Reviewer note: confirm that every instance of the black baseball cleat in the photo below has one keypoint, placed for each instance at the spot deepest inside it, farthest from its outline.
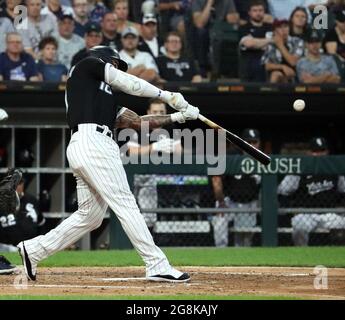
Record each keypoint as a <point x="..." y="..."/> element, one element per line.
<point x="172" y="276"/>
<point x="5" y="266"/>
<point x="29" y="265"/>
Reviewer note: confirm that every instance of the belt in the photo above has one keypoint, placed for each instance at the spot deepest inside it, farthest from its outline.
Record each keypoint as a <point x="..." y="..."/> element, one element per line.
<point x="98" y="129"/>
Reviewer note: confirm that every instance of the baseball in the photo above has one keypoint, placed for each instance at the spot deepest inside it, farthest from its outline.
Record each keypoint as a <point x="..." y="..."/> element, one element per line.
<point x="299" y="105"/>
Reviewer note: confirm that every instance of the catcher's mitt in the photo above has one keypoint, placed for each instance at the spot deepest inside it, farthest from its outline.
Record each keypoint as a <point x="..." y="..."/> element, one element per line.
<point x="9" y="199"/>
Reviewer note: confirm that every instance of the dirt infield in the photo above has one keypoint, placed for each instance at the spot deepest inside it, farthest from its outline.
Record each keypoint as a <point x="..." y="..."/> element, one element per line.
<point x="261" y="281"/>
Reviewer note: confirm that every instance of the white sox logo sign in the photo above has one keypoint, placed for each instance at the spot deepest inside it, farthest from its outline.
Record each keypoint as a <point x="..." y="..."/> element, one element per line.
<point x="278" y="165"/>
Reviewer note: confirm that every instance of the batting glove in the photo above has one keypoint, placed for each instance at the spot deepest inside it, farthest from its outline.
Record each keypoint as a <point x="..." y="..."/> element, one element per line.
<point x="174" y="100"/>
<point x="177" y="117"/>
<point x="191" y="113"/>
<point x="163" y="145"/>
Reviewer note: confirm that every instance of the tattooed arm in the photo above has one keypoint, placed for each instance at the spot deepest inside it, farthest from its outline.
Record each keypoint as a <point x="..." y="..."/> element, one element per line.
<point x="129" y="119"/>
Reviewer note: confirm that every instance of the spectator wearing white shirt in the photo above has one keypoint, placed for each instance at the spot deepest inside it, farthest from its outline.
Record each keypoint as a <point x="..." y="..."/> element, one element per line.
<point x="68" y="42"/>
<point x="38" y="27"/>
<point x="55" y="8"/>
<point x="140" y="64"/>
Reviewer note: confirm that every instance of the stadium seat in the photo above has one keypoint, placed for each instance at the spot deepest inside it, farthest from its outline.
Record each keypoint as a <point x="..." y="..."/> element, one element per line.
<point x="224" y="49"/>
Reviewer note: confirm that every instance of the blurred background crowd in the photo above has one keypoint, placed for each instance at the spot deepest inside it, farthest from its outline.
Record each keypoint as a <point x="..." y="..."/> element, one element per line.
<point x="273" y="41"/>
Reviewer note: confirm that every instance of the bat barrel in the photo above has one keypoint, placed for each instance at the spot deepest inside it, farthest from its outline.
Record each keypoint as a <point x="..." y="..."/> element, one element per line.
<point x="239" y="142"/>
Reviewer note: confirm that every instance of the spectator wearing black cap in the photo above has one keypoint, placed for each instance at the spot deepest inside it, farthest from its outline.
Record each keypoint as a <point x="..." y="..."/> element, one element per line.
<point x="174" y="66"/>
<point x="93" y="37"/>
<point x="316" y="67"/>
<point x="255" y="36"/>
<point x="239" y="191"/>
<point x="111" y="37"/>
<point x="149" y="40"/>
<point x="282" y="55"/>
<point x="55" y="8"/>
<point x="68" y="42"/>
<point x="140" y="64"/>
<point x="335" y="38"/>
<point x="80" y="15"/>
<point x="314" y="191"/>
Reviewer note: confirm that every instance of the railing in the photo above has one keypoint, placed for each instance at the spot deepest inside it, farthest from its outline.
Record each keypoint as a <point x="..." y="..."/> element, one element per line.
<point x="268" y="208"/>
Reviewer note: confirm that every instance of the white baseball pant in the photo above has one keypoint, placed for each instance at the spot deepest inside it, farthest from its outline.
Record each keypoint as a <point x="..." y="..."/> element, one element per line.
<point x="101" y="181"/>
<point x="304" y="223"/>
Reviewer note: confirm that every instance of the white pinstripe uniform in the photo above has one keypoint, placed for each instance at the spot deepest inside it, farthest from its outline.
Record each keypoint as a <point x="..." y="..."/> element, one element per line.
<point x="101" y="182"/>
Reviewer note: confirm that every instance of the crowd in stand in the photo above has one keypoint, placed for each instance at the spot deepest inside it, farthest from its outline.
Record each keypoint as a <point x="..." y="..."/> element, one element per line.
<point x="277" y="40"/>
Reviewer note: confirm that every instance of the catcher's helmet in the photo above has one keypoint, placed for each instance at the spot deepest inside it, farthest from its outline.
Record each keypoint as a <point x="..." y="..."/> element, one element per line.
<point x="108" y="55"/>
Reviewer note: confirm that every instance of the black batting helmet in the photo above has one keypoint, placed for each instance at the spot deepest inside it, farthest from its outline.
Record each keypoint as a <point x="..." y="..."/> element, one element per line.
<point x="108" y="55"/>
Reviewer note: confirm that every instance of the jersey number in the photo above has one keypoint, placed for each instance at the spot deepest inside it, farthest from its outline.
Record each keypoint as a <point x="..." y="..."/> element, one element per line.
<point x="105" y="87"/>
<point x="8" y="221"/>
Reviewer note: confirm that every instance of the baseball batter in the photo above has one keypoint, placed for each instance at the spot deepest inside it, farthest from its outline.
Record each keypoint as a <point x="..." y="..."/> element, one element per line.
<point x="95" y="160"/>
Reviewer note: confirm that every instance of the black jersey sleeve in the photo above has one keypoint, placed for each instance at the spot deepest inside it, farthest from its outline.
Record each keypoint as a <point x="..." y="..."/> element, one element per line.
<point x="92" y="66"/>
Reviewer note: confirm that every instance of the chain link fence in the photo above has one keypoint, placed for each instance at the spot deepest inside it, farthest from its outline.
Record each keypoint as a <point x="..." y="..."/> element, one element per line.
<point x="182" y="210"/>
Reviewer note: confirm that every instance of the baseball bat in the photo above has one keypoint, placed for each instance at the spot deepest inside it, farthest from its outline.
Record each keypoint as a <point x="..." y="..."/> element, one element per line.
<point x="237" y="141"/>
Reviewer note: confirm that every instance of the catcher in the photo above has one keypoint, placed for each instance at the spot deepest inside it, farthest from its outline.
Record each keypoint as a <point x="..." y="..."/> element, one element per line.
<point x="9" y="203"/>
<point x="20" y="217"/>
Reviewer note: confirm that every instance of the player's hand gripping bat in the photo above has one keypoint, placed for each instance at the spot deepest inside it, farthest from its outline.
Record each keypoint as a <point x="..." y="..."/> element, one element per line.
<point x="240" y="143"/>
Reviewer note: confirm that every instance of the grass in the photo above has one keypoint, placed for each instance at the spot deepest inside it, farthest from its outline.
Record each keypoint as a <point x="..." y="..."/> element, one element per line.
<point x="182" y="297"/>
<point x="281" y="256"/>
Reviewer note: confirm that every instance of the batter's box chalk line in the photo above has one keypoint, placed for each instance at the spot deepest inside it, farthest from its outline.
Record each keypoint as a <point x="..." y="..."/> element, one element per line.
<point x="143" y="279"/>
<point x="74" y="286"/>
<point x="258" y="274"/>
